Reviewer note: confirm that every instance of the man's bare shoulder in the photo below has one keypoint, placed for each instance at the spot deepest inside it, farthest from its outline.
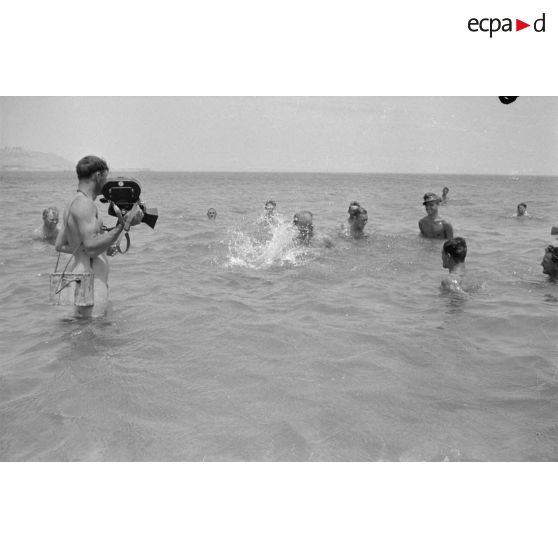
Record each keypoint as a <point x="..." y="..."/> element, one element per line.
<point x="82" y="203"/>
<point x="452" y="284"/>
<point x="82" y="208"/>
<point x="461" y="284"/>
<point x="448" y="229"/>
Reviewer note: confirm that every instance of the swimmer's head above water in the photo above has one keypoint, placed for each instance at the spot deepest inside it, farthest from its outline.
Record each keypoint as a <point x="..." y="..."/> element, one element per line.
<point x="353" y="210"/>
<point x="270" y="206"/>
<point x="358" y="222"/>
<point x="49" y="231"/>
<point x="303" y="222"/>
<point x="211" y="213"/>
<point x="50" y="218"/>
<point x="521" y="209"/>
<point x="431" y="202"/>
<point x="454" y="252"/>
<point x="550" y="262"/>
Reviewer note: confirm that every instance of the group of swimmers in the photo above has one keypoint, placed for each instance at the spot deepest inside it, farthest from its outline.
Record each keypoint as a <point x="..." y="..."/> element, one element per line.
<point x="269" y="209"/>
<point x="431" y="226"/>
<point x="454" y="250"/>
<point x="83" y="235"/>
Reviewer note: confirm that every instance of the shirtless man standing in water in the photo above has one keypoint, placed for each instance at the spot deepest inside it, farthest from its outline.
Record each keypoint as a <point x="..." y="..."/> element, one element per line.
<point x="82" y="234"/>
<point x="433" y="226"/>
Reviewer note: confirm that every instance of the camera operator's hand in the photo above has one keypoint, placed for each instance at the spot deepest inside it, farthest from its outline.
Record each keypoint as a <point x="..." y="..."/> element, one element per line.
<point x="132" y="217"/>
<point x="137" y="215"/>
<point x="125" y="221"/>
<point x="112" y="250"/>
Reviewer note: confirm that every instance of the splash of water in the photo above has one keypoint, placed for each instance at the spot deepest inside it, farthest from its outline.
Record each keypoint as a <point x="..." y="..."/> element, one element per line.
<point x="270" y="242"/>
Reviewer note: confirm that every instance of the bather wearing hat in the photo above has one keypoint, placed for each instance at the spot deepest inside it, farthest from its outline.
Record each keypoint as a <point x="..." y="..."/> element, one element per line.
<point x="433" y="226"/>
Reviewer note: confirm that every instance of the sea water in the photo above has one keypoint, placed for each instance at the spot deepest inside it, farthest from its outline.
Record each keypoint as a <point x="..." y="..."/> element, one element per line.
<point x="226" y="341"/>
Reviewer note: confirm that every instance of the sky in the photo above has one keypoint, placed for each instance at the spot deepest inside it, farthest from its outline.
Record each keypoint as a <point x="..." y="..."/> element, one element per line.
<point x="471" y="135"/>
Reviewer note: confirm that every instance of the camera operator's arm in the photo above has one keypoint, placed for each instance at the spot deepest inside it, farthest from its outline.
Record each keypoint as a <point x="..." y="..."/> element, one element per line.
<point x="133" y="217"/>
<point x="61" y="244"/>
<point x="84" y="218"/>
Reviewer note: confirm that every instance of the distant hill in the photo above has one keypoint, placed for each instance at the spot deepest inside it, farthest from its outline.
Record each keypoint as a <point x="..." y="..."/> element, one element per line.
<point x="17" y="158"/>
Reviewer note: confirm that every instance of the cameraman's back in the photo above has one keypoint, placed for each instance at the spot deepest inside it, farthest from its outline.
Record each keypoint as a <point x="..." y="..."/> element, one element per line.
<point x="81" y="230"/>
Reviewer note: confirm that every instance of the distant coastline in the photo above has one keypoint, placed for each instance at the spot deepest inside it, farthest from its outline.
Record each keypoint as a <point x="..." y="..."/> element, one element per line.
<point x="20" y="159"/>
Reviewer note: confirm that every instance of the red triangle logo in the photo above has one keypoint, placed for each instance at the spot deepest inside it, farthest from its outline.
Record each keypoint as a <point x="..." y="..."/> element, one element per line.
<point x="519" y="25"/>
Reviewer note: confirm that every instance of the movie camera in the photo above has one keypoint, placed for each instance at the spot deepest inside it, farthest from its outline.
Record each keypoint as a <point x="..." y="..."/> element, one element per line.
<point x="124" y="193"/>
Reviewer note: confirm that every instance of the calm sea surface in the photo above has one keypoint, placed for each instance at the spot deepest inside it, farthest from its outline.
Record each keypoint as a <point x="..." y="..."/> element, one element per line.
<point x="225" y="342"/>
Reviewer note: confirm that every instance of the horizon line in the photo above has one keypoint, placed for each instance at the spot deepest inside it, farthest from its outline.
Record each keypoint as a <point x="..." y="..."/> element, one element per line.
<point x="437" y="173"/>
